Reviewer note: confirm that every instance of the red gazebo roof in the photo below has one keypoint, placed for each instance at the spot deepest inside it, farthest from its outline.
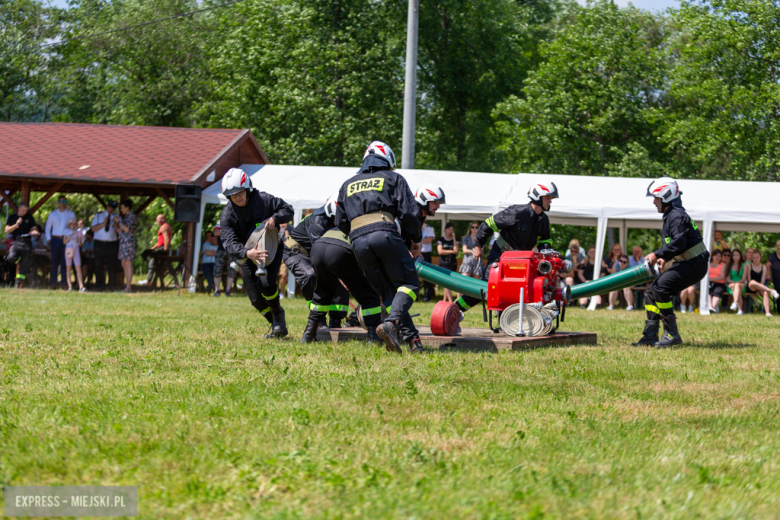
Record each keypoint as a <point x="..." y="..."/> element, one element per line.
<point x="138" y="155"/>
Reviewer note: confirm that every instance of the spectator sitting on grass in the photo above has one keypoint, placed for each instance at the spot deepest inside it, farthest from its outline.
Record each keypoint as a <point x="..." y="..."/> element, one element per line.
<point x="735" y="267"/>
<point x="755" y="279"/>
<point x="718" y="275"/>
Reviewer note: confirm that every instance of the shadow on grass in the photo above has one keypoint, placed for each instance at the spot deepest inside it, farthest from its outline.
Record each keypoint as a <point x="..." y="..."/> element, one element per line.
<point x="719" y="345"/>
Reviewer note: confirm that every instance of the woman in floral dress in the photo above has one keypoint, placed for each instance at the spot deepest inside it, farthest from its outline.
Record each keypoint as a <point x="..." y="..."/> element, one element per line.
<point x="126" y="223"/>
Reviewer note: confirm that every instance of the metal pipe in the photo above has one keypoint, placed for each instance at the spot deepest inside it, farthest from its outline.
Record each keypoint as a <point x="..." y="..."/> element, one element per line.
<point x="410" y="87"/>
<point x="522" y="305"/>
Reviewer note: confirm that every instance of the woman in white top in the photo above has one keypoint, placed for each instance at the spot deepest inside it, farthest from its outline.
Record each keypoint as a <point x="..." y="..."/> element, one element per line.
<point x="72" y="238"/>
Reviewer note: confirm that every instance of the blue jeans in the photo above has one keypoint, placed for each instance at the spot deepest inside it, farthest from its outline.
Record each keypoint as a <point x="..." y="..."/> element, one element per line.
<point x="57" y="260"/>
<point x="208" y="272"/>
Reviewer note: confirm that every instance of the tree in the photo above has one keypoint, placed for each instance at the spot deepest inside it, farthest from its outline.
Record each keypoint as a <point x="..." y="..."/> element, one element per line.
<point x="585" y="107"/>
<point x="25" y="26"/>
<point x="149" y="75"/>
<point x="472" y="55"/>
<point x="724" y="90"/>
<point x="315" y="80"/>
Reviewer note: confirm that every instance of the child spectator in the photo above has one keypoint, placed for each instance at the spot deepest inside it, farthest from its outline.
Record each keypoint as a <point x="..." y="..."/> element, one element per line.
<point x="72" y="238"/>
<point x="447" y="246"/>
<point x="470" y="266"/>
<point x="755" y="279"/>
<point x="718" y="275"/>
<point x="209" y="250"/>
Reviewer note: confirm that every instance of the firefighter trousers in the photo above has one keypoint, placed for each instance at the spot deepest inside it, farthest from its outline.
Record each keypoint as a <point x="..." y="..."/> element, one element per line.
<point x="659" y="294"/>
<point x="389" y="268"/>
<point x="334" y="262"/>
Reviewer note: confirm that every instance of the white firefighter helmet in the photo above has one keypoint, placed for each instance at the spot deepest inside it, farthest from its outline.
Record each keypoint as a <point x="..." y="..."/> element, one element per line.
<point x="541" y="189"/>
<point x="330" y="205"/>
<point x="428" y="193"/>
<point x="234" y="181"/>
<point x="665" y="189"/>
<point x="380" y="149"/>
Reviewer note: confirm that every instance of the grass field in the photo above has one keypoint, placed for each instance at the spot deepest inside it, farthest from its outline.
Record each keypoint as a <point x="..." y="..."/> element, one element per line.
<point x="182" y="398"/>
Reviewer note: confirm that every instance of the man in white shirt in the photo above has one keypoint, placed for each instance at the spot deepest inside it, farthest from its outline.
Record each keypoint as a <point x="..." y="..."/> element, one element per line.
<point x="428" y="235"/>
<point x="106" y="247"/>
<point x="56" y="226"/>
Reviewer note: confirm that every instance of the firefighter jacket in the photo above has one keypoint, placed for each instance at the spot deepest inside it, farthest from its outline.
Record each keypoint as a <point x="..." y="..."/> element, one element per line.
<point x="311" y="228"/>
<point x="679" y="233"/>
<point x="374" y="192"/>
<point x="238" y="223"/>
<point x="520" y="227"/>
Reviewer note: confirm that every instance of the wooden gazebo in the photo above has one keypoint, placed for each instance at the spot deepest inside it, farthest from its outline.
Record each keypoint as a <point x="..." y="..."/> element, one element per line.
<point x="121" y="161"/>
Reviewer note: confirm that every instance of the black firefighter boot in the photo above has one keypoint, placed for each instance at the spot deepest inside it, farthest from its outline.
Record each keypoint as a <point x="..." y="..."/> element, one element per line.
<point x="278" y="325"/>
<point x="310" y="332"/>
<point x="416" y="346"/>
<point x="334" y="323"/>
<point x="671" y="337"/>
<point x="388" y="331"/>
<point x="650" y="336"/>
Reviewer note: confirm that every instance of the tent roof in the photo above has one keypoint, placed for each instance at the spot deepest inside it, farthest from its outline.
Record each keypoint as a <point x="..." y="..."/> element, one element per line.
<point x="467" y="194"/>
<point x="585" y="197"/>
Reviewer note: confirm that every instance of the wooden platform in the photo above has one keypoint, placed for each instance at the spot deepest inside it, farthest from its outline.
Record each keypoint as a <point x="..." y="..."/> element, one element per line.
<point x="473" y="339"/>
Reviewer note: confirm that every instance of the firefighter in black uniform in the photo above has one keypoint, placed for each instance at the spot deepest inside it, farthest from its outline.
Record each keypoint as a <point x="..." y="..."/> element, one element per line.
<point x="20" y="227"/>
<point x="682" y="255"/>
<point x="297" y="257"/>
<point x="246" y="210"/>
<point x="520" y="227"/>
<point x="368" y="205"/>
<point x="334" y="262"/>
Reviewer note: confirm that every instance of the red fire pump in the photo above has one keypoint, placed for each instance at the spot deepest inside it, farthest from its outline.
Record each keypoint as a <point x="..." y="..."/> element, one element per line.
<point x="519" y="276"/>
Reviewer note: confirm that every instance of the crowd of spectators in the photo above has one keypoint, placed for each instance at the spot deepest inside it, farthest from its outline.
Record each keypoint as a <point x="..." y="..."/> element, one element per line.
<point x="79" y="253"/>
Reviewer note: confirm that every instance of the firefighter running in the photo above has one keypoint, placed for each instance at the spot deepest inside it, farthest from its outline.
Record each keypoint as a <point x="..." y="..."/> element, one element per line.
<point x="520" y="227"/>
<point x="368" y="205"/>
<point x="248" y="209"/>
<point x="682" y="256"/>
<point x="20" y="227"/>
<point x="297" y="257"/>
<point x="334" y="262"/>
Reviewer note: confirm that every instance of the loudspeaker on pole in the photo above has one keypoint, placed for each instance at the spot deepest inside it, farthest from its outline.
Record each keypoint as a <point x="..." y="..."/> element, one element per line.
<point x="186" y="207"/>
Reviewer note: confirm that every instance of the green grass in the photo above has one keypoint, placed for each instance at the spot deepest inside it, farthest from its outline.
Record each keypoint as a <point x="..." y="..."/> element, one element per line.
<point x="182" y="397"/>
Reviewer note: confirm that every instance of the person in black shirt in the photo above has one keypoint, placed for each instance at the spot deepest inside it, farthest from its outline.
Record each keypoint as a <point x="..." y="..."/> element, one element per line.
<point x="683" y="249"/>
<point x="368" y="205"/>
<point x="448" y="254"/>
<point x="20" y="227"/>
<point x="520" y="228"/>
<point x="246" y="210"/>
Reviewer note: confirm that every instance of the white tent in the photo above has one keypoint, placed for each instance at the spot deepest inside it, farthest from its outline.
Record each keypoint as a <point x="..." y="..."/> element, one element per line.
<point x="622" y="203"/>
<point x="601" y="202"/>
<point x="469" y="195"/>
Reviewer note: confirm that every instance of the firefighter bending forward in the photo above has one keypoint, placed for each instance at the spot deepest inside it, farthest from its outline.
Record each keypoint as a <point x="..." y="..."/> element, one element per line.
<point x="683" y="257"/>
<point x="368" y="205"/>
<point x="520" y="227"/>
<point x="246" y="210"/>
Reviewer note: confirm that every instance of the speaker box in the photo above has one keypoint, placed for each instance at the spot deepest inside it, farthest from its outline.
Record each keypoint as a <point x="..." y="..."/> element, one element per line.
<point x="186" y="207"/>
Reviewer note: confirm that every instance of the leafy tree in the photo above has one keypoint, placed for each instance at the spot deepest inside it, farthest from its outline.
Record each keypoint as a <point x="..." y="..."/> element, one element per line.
<point x="585" y="107"/>
<point x="25" y="25"/>
<point x="149" y="75"/>
<point x="315" y="80"/>
<point x="724" y="90"/>
<point x="472" y="55"/>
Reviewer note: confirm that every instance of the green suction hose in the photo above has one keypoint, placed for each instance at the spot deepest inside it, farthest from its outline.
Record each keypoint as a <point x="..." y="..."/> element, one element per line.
<point x="451" y="280"/>
<point x="472" y="286"/>
<point x="614" y="282"/>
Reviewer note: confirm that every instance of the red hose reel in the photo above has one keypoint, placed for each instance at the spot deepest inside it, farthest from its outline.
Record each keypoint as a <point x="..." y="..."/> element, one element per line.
<point x="445" y="319"/>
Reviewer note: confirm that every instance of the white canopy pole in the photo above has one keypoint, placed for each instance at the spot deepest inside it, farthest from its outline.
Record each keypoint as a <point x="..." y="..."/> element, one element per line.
<point x="196" y="249"/>
<point x="601" y="234"/>
<point x="297" y="217"/>
<point x="704" y="289"/>
<point x="623" y="238"/>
